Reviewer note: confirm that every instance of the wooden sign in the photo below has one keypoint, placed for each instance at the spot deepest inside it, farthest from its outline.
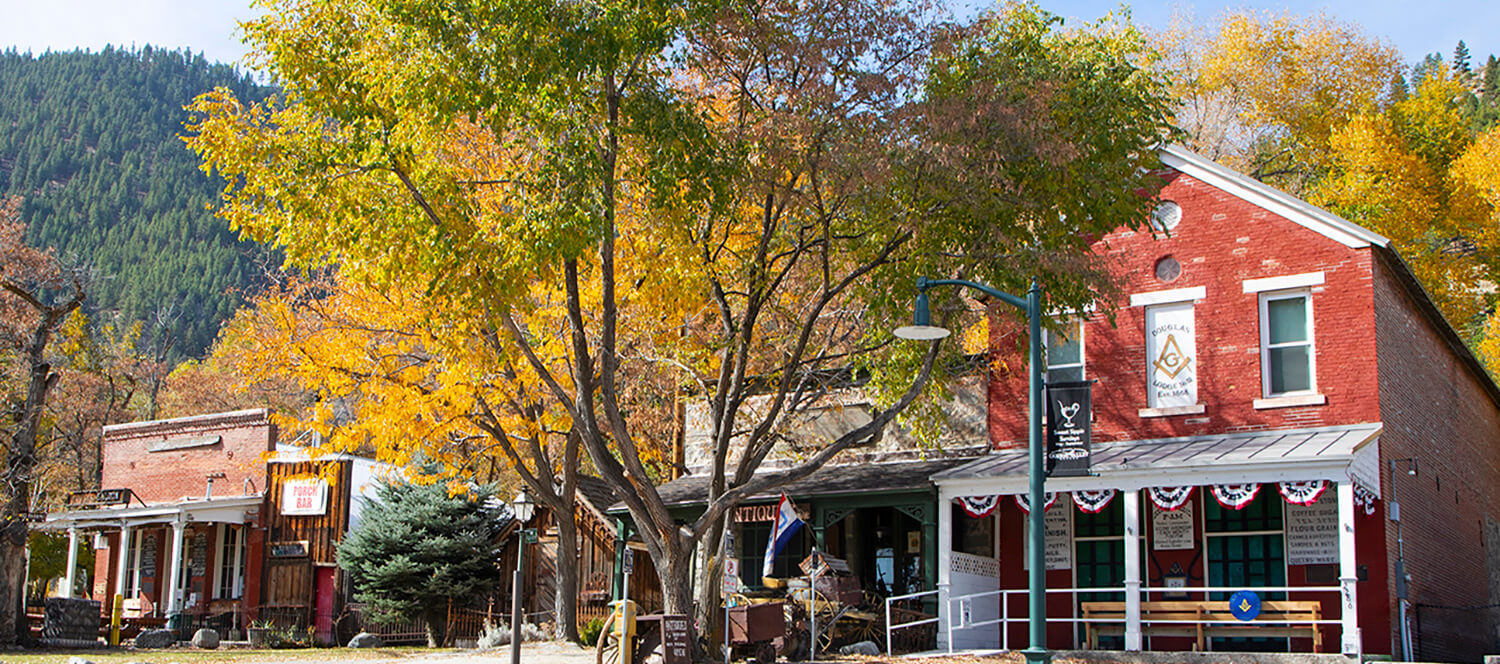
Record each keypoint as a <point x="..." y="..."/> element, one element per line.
<point x="675" y="640"/>
<point x="752" y="513"/>
<point x="98" y="498"/>
<point x="292" y="549"/>
<point x="304" y="497"/>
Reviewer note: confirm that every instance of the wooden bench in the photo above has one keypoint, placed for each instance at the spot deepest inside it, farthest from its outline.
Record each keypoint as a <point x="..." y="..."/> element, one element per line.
<point x="1213" y="619"/>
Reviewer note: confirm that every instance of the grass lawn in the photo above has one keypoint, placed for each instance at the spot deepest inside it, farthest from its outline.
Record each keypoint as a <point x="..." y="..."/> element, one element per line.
<point x="224" y="656"/>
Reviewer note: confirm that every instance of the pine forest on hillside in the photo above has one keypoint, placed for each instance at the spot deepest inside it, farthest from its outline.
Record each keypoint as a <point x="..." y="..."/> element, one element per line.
<point x="90" y="142"/>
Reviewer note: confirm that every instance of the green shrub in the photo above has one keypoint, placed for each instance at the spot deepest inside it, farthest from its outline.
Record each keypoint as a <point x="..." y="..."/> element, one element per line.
<point x="588" y="634"/>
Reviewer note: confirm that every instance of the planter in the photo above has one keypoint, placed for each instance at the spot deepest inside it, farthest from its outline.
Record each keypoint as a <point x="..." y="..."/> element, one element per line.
<point x="259" y="637"/>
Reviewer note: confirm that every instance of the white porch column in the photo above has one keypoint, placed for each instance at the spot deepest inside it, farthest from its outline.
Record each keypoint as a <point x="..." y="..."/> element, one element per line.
<point x="945" y="564"/>
<point x="123" y="557"/>
<point x="1132" y="569"/>
<point x="1348" y="571"/>
<point x="174" y="596"/>
<point x="67" y="590"/>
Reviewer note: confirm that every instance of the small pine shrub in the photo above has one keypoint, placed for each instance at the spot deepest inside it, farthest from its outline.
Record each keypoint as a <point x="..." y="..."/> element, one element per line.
<point x="588" y="635"/>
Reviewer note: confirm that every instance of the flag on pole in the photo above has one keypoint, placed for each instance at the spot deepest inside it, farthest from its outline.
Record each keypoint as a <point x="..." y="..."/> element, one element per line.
<point x="785" y="526"/>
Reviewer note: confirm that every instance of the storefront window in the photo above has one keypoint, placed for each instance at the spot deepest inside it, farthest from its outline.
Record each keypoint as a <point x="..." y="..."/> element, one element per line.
<point x="753" y="538"/>
<point x="973" y="536"/>
<point x="229" y="576"/>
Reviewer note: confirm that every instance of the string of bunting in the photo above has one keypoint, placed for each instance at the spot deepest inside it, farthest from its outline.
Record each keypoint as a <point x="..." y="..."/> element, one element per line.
<point x="1303" y="493"/>
<point x="1365" y="499"/>
<point x="1234" y="496"/>
<point x="1169" y="498"/>
<point x="1093" y="502"/>
<point x="979" y="507"/>
<point x="1024" y="502"/>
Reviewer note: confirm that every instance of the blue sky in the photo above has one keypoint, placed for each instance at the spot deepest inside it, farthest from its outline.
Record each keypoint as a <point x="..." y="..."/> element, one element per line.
<point x="209" y="26"/>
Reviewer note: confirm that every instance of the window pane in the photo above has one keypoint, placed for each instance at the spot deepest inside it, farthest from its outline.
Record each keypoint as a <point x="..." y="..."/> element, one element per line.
<point x="1289" y="370"/>
<point x="1288" y="319"/>
<point x="1068" y="375"/>
<point x="1063" y="348"/>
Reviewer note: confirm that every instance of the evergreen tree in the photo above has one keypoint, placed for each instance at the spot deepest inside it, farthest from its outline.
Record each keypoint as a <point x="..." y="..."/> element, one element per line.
<point x="417" y="548"/>
<point x="1461" y="63"/>
<point x="92" y="147"/>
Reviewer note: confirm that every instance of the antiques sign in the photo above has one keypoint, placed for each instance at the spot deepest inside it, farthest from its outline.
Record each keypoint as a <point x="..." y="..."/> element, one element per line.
<point x="304" y="497"/>
<point x="1312" y="532"/>
<point x="1172" y="529"/>
<point x="1069" y="414"/>
<point x="1171" y="357"/>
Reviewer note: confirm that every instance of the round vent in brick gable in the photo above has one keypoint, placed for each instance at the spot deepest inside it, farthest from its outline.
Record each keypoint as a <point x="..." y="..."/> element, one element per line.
<point x="1168" y="269"/>
<point x="1166" y="216"/>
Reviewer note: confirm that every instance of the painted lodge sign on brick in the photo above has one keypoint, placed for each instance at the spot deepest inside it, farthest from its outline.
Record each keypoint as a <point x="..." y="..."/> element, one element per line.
<point x="1171" y="356"/>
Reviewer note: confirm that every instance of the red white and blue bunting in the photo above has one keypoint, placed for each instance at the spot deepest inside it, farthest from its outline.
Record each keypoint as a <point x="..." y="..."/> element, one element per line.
<point x="979" y="507"/>
<point x="1093" y="502"/>
<point x="1365" y="499"/>
<point x="1169" y="498"/>
<point x="1024" y="502"/>
<point x="1234" y="496"/>
<point x="1303" y="493"/>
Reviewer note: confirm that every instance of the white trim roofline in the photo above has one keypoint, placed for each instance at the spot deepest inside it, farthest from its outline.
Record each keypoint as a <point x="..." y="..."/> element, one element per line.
<point x="1272" y="199"/>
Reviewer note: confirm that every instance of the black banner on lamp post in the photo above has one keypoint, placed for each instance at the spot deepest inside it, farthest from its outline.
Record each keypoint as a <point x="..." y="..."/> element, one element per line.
<point x="1069" y="427"/>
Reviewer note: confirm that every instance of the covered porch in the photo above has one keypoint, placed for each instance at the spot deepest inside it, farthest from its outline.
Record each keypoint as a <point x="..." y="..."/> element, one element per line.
<point x="181" y="564"/>
<point x="1157" y="548"/>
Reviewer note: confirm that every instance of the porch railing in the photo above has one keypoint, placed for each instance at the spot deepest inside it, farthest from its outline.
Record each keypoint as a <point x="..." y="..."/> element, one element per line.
<point x="891" y="627"/>
<point x="956" y="602"/>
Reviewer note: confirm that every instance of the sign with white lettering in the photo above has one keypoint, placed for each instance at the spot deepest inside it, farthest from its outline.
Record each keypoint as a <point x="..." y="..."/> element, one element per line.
<point x="1057" y="527"/>
<point x="1171" y="356"/>
<point x="675" y="640"/>
<point x="1172" y="529"/>
<point x="1312" y="532"/>
<point x="304" y="497"/>
<point x="1069" y="414"/>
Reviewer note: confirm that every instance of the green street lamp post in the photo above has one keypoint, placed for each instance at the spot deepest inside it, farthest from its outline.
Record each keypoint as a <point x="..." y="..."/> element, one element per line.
<point x="922" y="329"/>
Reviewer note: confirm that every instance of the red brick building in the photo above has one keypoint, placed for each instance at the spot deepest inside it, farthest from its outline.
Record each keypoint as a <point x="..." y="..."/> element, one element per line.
<point x="246" y="525"/>
<point x="1261" y="342"/>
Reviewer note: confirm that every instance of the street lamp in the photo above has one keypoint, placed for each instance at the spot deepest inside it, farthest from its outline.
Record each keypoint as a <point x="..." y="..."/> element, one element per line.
<point x="922" y="329"/>
<point x="521" y="508"/>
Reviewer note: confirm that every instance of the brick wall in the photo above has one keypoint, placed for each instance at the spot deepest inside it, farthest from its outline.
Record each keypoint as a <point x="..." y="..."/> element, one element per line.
<point x="171" y="474"/>
<point x="1221" y="241"/>
<point x="1437" y="409"/>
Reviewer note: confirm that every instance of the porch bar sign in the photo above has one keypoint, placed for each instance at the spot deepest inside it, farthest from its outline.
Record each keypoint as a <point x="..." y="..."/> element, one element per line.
<point x="304" y="497"/>
<point x="1069" y="414"/>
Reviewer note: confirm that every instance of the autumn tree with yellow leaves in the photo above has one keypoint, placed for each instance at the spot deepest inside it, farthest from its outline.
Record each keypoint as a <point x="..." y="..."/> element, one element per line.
<point x="545" y="217"/>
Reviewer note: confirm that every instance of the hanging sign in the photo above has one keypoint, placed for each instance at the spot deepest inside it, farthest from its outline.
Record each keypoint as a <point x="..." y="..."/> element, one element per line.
<point x="1093" y="502"/>
<point x="1172" y="529"/>
<point x="304" y="497"/>
<point x="1169" y="497"/>
<point x="1234" y="496"/>
<point x="1069" y="425"/>
<point x="1302" y="493"/>
<point x="978" y="507"/>
<point x="1244" y="605"/>
<point x="1024" y="501"/>
<point x="1171" y="357"/>
<point x="1312" y="532"/>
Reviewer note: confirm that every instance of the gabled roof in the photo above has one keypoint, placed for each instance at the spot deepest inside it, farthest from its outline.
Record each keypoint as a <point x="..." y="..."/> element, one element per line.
<point x="1270" y="198"/>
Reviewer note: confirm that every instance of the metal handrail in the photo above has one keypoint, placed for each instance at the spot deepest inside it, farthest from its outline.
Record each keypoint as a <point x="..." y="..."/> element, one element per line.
<point x="891" y="628"/>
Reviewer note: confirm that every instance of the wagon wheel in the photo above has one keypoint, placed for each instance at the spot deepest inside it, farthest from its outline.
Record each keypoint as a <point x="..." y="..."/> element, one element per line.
<point x="871" y="630"/>
<point x="608" y="651"/>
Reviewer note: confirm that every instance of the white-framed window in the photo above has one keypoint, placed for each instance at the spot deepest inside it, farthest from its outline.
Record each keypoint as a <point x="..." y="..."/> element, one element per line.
<point x="1286" y="344"/>
<point x="1064" y="352"/>
<point x="229" y="573"/>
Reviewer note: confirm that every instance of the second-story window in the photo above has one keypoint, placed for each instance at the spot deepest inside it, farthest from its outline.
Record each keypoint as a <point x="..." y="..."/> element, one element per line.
<point x="1064" y="352"/>
<point x="1286" y="342"/>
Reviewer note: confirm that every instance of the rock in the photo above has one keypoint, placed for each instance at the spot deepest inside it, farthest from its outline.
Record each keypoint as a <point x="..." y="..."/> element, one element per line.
<point x="867" y="648"/>
<point x="155" y="638"/>
<point x="78" y="660"/>
<point x="206" y="639"/>
<point x="365" y="640"/>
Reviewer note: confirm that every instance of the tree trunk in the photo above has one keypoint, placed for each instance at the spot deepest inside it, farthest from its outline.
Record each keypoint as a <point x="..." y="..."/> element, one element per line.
<point x="710" y="572"/>
<point x="20" y="461"/>
<point x="566" y="601"/>
<point x="437" y="626"/>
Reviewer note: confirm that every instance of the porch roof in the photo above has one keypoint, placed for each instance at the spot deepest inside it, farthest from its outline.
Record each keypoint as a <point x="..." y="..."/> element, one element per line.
<point x="192" y="510"/>
<point x="1328" y="453"/>
<point x="828" y="481"/>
